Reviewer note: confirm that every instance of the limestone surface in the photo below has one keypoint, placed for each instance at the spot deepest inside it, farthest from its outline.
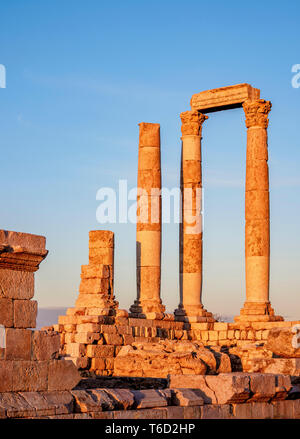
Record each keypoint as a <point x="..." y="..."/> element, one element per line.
<point x="223" y="98"/>
<point x="165" y="357"/>
<point x="283" y="342"/>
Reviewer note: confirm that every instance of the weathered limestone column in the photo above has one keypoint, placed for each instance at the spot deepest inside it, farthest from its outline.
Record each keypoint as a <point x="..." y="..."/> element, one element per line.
<point x="148" y="235"/>
<point x="257" y="214"/>
<point x="190" y="308"/>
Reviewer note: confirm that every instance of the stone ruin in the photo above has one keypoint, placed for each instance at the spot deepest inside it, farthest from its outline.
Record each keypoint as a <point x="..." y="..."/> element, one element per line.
<point x="100" y="361"/>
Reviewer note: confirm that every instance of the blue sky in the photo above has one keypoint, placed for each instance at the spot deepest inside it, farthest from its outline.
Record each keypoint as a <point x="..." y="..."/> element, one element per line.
<point x="82" y="75"/>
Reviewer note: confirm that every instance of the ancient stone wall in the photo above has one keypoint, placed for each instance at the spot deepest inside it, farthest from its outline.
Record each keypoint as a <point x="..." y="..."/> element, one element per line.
<point x="29" y="360"/>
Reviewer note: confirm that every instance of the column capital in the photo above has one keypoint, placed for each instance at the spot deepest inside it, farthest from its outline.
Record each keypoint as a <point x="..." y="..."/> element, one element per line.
<point x="192" y="122"/>
<point x="256" y="112"/>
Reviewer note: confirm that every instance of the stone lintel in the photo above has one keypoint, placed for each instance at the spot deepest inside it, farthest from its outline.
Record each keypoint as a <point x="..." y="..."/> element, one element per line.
<point x="21" y="251"/>
<point x="223" y="98"/>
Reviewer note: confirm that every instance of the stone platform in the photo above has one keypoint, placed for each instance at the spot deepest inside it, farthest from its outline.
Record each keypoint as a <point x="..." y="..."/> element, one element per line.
<point x="226" y="396"/>
<point x="93" y="342"/>
<point x="95" y="331"/>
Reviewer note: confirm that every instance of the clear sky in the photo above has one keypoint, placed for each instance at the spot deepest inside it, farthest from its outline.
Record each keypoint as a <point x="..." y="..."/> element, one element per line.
<point x="82" y="75"/>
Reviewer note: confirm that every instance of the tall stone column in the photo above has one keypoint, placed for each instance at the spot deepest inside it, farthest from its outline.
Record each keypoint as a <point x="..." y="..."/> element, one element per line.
<point x="190" y="308"/>
<point x="257" y="214"/>
<point x="148" y="235"/>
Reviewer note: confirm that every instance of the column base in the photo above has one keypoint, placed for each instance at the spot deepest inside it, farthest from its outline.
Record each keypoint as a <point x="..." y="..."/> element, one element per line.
<point x="146" y="309"/>
<point x="258" y="312"/>
<point x="193" y="314"/>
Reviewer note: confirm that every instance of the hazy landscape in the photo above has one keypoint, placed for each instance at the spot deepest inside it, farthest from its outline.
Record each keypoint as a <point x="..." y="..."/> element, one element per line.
<point x="49" y="316"/>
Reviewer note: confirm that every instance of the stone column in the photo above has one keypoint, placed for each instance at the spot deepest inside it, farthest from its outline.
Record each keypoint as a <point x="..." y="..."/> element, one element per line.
<point x="148" y="235"/>
<point x="190" y="308"/>
<point x="257" y="214"/>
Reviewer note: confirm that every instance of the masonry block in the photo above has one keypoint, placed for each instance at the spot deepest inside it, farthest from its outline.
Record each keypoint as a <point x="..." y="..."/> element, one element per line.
<point x="91" y="301"/>
<point x="80" y="362"/>
<point x="63" y="375"/>
<point x="229" y="387"/>
<point x="263" y="387"/>
<point x="6" y="376"/>
<point x="88" y="327"/>
<point x="45" y="345"/>
<point x="16" y="406"/>
<point x="86" y="337"/>
<point x="39" y="403"/>
<point x="99" y="351"/>
<point x="25" y="313"/>
<point x="262" y="410"/>
<point x="30" y="376"/>
<point x="113" y="339"/>
<point x="123" y="398"/>
<point x="98" y="364"/>
<point x="149" y="398"/>
<point x="95" y="271"/>
<point x="62" y="401"/>
<point x="75" y="349"/>
<point x="16" y="284"/>
<point x="6" y="312"/>
<point x="18" y="344"/>
<point x="187" y="397"/>
<point x="103" y="399"/>
<point x="216" y="411"/>
<point x="85" y="401"/>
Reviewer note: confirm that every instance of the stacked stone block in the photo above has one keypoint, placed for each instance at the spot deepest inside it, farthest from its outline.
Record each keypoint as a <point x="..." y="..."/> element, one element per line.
<point x="86" y="335"/>
<point x="29" y="360"/>
<point x="96" y="287"/>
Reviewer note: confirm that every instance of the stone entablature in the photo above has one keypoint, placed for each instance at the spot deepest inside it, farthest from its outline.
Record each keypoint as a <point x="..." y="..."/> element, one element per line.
<point x="21" y="251"/>
<point x="223" y="98"/>
<point x="257" y="200"/>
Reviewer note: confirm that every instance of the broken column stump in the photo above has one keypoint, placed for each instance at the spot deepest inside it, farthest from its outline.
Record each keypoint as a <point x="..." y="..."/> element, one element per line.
<point x="82" y="328"/>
